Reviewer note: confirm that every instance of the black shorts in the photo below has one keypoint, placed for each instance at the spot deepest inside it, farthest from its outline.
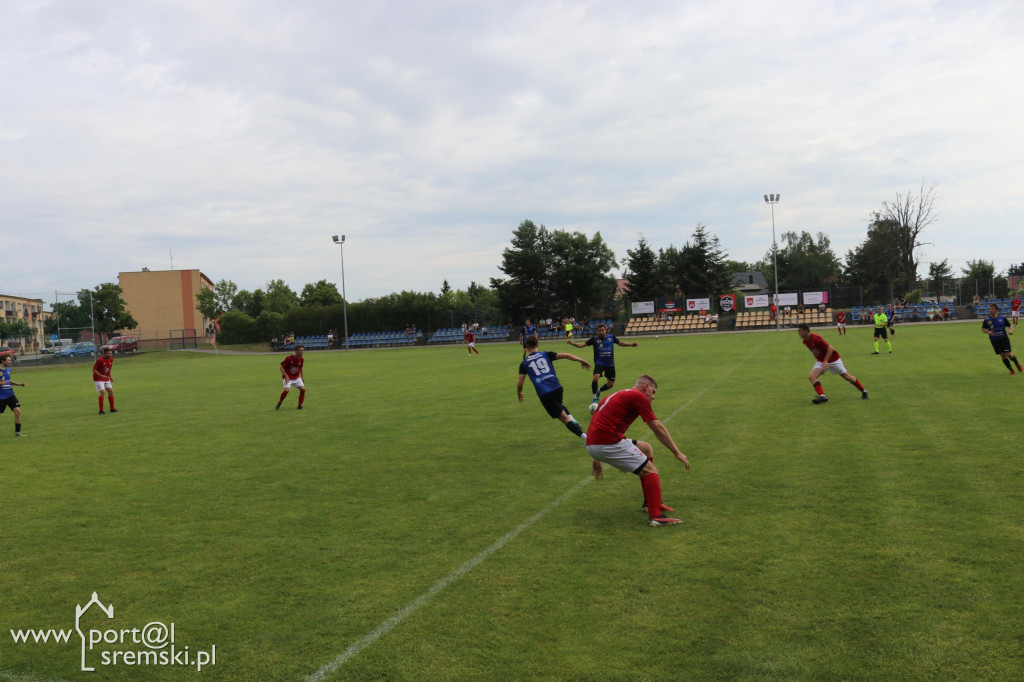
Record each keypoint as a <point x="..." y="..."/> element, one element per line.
<point x="552" y="402"/>
<point x="1001" y="346"/>
<point x="11" y="402"/>
<point x="607" y="371"/>
<point x="880" y="331"/>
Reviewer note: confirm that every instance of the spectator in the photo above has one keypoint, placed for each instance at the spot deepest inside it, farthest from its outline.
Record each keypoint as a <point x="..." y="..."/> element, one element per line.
<point x="945" y="313"/>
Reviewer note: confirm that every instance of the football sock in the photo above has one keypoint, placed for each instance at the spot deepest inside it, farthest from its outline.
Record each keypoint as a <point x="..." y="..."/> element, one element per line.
<point x="818" y="389"/>
<point x="111" y="402"/>
<point x="605" y="388"/>
<point x="593" y="387"/>
<point x="1016" y="362"/>
<point x="101" y="403"/>
<point x="876" y="345"/>
<point x="859" y="385"/>
<point x="1006" y="361"/>
<point x="889" y="343"/>
<point x="17" y="427"/>
<point x="284" y="394"/>
<point x="302" y="396"/>
<point x="575" y="427"/>
<point x="652" y="493"/>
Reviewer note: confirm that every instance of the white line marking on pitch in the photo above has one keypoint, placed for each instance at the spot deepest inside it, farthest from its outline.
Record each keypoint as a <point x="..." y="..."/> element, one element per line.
<point x="393" y="622"/>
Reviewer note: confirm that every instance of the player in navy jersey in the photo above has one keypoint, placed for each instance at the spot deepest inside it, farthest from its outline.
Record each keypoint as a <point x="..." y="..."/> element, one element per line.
<point x="604" y="358"/>
<point x="7" y="397"/>
<point x="999" y="331"/>
<point x="526" y="332"/>
<point x="539" y="366"/>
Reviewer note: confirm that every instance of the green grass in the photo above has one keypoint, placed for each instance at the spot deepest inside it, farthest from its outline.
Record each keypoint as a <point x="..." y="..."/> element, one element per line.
<point x="858" y="540"/>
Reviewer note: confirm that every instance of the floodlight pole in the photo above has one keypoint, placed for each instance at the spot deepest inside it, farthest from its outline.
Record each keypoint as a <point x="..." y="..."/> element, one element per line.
<point x="344" y="300"/>
<point x="771" y="200"/>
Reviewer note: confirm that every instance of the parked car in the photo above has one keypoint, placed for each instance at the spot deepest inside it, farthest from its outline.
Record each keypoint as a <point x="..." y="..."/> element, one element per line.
<point x="55" y="346"/>
<point x="84" y="348"/>
<point x="8" y="351"/>
<point x="121" y="344"/>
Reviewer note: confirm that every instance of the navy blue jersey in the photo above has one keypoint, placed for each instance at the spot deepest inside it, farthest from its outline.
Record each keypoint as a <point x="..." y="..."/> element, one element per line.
<point x="527" y="331"/>
<point x="996" y="325"/>
<point x="6" y="389"/>
<point x="540" y="367"/>
<point x="604" y="351"/>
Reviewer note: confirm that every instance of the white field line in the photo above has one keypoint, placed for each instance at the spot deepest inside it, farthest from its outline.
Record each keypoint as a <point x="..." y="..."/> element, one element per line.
<point x="393" y="622"/>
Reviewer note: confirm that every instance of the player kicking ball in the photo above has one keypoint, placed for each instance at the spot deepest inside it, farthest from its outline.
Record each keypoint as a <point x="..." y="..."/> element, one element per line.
<point x="827" y="357"/>
<point x="291" y="375"/>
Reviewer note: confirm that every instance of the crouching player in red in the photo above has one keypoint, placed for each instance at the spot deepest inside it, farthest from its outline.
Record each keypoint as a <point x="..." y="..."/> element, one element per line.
<point x="607" y="442"/>
<point x="291" y="374"/>
<point x="827" y="357"/>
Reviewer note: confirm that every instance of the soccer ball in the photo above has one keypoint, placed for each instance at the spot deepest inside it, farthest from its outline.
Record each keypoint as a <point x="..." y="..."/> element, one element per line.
<point x="592" y="408"/>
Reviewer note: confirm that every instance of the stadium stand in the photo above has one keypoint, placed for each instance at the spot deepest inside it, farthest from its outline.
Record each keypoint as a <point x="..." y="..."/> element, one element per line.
<point x="679" y="324"/>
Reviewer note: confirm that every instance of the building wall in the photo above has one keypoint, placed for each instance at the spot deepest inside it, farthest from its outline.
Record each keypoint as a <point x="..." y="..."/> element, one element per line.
<point x="13" y="308"/>
<point x="162" y="300"/>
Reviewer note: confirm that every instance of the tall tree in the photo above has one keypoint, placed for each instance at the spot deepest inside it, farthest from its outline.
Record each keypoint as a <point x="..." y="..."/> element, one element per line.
<point x="279" y="297"/>
<point x="524" y="290"/>
<point x="910" y="214"/>
<point x="320" y="293"/>
<point x="980" y="269"/>
<point x="212" y="303"/>
<point x="579" y="271"/>
<point x="941" y="275"/>
<point x="700" y="268"/>
<point x="108" y="309"/>
<point x="805" y="263"/>
<point x="645" y="282"/>
<point x="250" y="303"/>
<point x="876" y="264"/>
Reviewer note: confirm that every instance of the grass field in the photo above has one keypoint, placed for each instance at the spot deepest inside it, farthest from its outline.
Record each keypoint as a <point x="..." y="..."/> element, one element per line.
<point x="857" y="540"/>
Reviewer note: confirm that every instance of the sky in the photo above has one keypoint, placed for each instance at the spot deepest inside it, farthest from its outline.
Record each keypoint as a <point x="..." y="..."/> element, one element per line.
<point x="238" y="137"/>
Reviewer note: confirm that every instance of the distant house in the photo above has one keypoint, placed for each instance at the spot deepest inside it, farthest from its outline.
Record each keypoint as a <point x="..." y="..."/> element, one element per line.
<point x="750" y="283"/>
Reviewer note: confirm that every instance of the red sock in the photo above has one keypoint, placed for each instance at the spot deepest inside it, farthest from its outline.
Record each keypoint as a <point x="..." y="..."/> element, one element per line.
<point x="818" y="389"/>
<point x="284" y="394"/>
<point x="101" y="402"/>
<point x="111" y="402"/>
<point x="858" y="384"/>
<point x="652" y="493"/>
<point x="302" y="396"/>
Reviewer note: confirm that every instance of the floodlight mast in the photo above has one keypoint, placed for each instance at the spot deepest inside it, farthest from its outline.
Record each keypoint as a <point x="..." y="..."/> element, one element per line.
<point x="771" y="200"/>
<point x="344" y="300"/>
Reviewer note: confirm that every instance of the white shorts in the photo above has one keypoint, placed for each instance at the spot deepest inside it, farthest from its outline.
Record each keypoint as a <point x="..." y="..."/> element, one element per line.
<point x="103" y="385"/>
<point x="472" y="344"/>
<point x="835" y="367"/>
<point x="293" y="383"/>
<point x="841" y="325"/>
<point x="623" y="455"/>
<point x="1015" y="314"/>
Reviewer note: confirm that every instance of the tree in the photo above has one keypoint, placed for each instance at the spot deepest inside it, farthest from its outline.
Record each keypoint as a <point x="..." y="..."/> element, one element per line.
<point x="212" y="303"/>
<point x="279" y="297"/>
<point x="805" y="263"/>
<point x="699" y="268"/>
<point x="1015" y="270"/>
<point x="320" y="293"/>
<point x="909" y="215"/>
<point x="525" y="288"/>
<point x="875" y="265"/>
<point x="250" y="303"/>
<point x="941" y="275"/>
<point x="643" y="273"/>
<point x="108" y="311"/>
<point x="980" y="269"/>
<point x="578" y="276"/>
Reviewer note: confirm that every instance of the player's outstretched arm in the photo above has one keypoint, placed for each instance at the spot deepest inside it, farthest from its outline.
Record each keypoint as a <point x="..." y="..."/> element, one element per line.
<point x="519" y="387"/>
<point x="570" y="356"/>
<point x="665" y="438"/>
<point x="578" y="345"/>
<point x="632" y="345"/>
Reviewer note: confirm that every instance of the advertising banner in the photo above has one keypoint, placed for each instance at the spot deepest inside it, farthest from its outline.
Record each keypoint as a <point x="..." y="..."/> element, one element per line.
<point x="727" y="302"/>
<point x="788" y="299"/>
<point x="670" y="306"/>
<point x="698" y="304"/>
<point x="815" y="297"/>
<point x="643" y="308"/>
<point x="756" y="301"/>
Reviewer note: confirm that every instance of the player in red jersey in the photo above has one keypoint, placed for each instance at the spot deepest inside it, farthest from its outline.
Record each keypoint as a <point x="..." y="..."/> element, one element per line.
<point x="291" y="374"/>
<point x="827" y="357"/>
<point x="607" y="442"/>
<point x="841" y="322"/>
<point x="102" y="379"/>
<point x="1015" y="309"/>
<point x="470" y="340"/>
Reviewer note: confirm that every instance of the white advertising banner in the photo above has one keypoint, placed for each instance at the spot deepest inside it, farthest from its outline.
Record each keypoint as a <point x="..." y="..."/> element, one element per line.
<point x="643" y="308"/>
<point x="756" y="301"/>
<point x="698" y="304"/>
<point x="815" y="297"/>
<point x="788" y="299"/>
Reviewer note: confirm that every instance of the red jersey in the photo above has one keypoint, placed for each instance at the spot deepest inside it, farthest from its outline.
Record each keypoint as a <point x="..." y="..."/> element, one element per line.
<point x="1015" y="304"/>
<point x="101" y="369"/>
<point x="818" y="346"/>
<point x="469" y="338"/>
<point x="617" y="412"/>
<point x="292" y="366"/>
<point x="840" y="317"/>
